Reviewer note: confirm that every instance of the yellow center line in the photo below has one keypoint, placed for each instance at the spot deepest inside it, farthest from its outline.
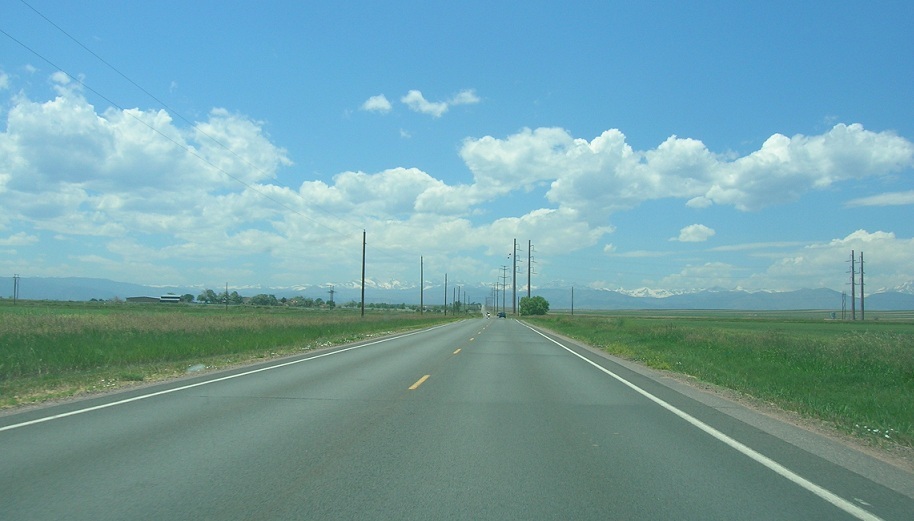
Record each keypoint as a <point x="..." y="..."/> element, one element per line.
<point x="416" y="385"/>
<point x="457" y="351"/>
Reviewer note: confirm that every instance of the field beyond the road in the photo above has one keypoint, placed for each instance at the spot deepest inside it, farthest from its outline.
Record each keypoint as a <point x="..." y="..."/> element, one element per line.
<point x="57" y="350"/>
<point x="856" y="376"/>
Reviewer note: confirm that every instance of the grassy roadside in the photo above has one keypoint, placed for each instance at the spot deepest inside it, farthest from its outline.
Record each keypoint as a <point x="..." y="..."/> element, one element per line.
<point x="53" y="351"/>
<point x="856" y="376"/>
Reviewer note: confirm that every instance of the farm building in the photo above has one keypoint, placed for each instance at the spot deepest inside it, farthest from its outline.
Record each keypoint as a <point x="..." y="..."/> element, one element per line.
<point x="154" y="300"/>
<point x="142" y="300"/>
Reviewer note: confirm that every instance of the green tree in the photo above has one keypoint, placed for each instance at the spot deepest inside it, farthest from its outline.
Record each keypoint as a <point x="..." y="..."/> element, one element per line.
<point x="264" y="300"/>
<point x="533" y="305"/>
<point x="209" y="297"/>
<point x="301" y="302"/>
<point x="234" y="298"/>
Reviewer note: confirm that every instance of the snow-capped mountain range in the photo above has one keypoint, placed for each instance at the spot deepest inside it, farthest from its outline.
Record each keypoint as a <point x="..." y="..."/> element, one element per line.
<point x="557" y="293"/>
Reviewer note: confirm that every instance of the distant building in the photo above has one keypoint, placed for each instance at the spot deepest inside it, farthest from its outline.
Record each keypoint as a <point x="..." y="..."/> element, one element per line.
<point x="142" y="300"/>
<point x="154" y="300"/>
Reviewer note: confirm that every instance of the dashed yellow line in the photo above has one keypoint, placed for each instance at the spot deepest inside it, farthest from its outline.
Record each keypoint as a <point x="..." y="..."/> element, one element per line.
<point x="416" y="385"/>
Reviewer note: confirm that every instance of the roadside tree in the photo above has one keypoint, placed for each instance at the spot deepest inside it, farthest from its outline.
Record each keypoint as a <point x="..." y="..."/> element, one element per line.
<point x="533" y="305"/>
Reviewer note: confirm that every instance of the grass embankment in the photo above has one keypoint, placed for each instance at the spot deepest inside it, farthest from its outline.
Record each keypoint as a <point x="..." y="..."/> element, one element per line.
<point x="857" y="376"/>
<point x="58" y="350"/>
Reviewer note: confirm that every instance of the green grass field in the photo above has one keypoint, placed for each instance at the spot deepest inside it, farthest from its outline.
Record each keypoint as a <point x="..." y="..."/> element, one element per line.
<point x="52" y="350"/>
<point x="857" y="376"/>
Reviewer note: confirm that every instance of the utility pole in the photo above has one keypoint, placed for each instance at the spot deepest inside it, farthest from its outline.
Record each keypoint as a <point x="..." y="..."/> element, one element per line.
<point x="421" y="286"/>
<point x="445" y="294"/>
<point x="853" y="288"/>
<point x="504" y="288"/>
<point x="332" y="291"/>
<point x="572" y="300"/>
<point x="862" y="312"/>
<point x="363" y="272"/>
<point x="529" y="264"/>
<point x="15" y="288"/>
<point x="514" y="280"/>
<point x="226" y="295"/>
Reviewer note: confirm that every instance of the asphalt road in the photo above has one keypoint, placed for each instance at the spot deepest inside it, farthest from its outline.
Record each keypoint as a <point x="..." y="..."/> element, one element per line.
<point x="481" y="419"/>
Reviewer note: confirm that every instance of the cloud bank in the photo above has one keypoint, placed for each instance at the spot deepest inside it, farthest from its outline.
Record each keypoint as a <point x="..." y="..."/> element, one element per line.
<point x="605" y="175"/>
<point x="153" y="192"/>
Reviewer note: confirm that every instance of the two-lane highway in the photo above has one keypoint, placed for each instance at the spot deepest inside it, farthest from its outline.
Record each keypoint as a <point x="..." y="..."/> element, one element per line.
<point x="481" y="419"/>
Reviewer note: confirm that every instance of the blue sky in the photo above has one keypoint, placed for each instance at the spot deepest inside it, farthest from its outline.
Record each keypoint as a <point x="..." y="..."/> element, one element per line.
<point x="660" y="145"/>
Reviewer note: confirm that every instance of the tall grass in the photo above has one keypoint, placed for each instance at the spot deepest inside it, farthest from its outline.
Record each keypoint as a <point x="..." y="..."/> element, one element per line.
<point x="54" y="343"/>
<point x="857" y="376"/>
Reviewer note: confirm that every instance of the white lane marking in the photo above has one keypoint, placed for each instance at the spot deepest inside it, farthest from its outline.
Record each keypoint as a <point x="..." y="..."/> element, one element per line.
<point x="207" y="382"/>
<point x="783" y="471"/>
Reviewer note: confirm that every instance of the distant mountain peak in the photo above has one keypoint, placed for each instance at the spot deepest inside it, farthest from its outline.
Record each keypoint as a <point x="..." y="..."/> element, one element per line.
<point x="558" y="293"/>
<point x="907" y="288"/>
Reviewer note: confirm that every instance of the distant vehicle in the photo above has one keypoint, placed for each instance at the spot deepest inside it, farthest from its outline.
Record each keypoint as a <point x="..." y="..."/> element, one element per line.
<point x="501" y="314"/>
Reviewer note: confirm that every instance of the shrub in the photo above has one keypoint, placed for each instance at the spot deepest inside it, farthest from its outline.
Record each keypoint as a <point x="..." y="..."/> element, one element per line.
<point x="533" y="305"/>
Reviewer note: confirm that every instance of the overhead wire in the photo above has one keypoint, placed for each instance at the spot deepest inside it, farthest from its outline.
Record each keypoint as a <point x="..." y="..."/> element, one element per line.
<point x="193" y="125"/>
<point x="177" y="114"/>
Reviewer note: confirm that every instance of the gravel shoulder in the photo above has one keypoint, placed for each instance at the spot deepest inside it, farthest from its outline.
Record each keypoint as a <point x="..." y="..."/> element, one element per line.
<point x="889" y="465"/>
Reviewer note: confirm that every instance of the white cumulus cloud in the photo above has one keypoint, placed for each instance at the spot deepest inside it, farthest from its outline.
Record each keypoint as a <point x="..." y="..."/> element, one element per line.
<point x="377" y="103"/>
<point x="465" y="97"/>
<point x="147" y="191"/>
<point x="68" y="168"/>
<point x="417" y="102"/>
<point x="606" y="174"/>
<point x="694" y="233"/>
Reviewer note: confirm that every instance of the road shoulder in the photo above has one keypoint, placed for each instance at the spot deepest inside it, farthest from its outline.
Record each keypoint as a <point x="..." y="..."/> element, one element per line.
<point x="892" y="467"/>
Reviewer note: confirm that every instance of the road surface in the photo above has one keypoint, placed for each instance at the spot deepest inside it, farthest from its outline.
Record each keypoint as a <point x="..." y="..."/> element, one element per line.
<point x="480" y="419"/>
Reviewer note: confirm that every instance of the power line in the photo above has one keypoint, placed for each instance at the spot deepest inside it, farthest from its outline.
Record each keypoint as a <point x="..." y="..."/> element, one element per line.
<point x="177" y="114"/>
<point x="181" y="145"/>
<point x="191" y="124"/>
<point x="112" y="67"/>
<point x="180" y="117"/>
<point x="529" y="264"/>
<point x="853" y="272"/>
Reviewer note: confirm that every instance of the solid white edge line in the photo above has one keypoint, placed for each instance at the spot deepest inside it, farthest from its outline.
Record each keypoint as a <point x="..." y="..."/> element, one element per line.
<point x="783" y="471"/>
<point x="207" y="382"/>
